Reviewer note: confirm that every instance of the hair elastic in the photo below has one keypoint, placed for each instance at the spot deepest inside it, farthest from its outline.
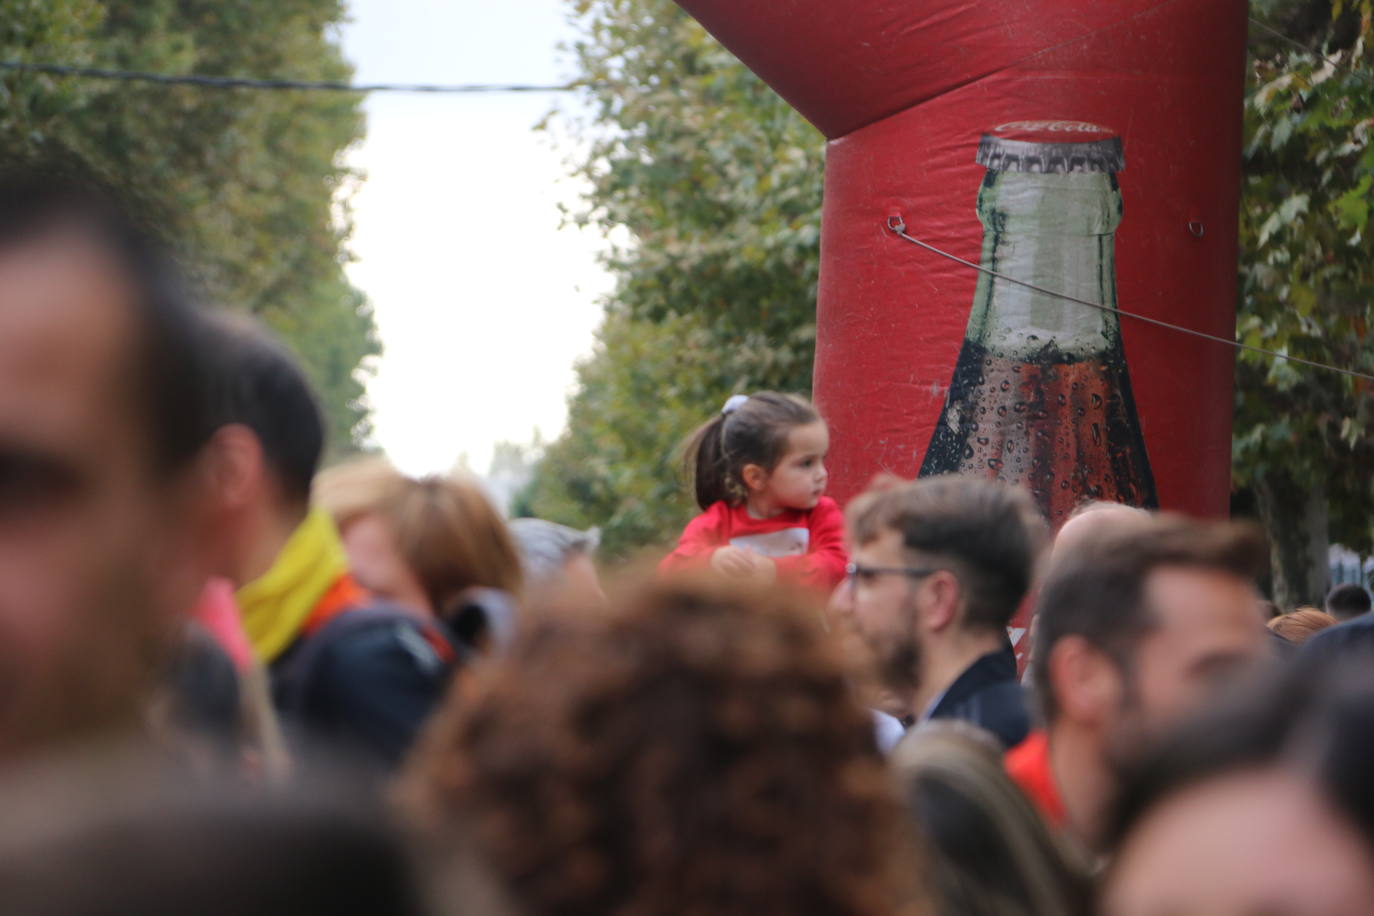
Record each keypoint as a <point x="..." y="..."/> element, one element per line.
<point x="733" y="403"/>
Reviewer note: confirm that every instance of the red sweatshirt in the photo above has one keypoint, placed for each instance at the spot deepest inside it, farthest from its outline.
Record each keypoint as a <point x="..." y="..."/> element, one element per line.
<point x="806" y="544"/>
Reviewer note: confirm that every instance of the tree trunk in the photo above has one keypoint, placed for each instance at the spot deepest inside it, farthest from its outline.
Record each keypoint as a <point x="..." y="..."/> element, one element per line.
<point x="1295" y="519"/>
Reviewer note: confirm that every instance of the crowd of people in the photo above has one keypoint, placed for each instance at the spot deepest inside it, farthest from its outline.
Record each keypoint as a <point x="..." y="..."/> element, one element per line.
<point x="231" y="682"/>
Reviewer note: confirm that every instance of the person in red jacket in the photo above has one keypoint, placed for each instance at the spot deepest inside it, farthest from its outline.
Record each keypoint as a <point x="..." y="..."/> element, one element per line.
<point x="759" y="476"/>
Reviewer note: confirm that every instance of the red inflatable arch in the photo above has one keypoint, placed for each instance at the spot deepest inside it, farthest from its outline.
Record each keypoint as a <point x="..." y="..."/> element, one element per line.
<point x="1086" y="148"/>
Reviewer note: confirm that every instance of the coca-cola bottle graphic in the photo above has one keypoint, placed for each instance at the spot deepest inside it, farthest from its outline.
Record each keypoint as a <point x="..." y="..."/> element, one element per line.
<point x="1040" y="394"/>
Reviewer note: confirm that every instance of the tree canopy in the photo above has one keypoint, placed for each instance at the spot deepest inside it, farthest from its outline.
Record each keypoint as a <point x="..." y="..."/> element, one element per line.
<point x="1302" y="436"/>
<point x="713" y="185"/>
<point x="249" y="186"/>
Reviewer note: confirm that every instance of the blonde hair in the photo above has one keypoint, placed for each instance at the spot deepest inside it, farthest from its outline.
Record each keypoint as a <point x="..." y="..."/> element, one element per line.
<point x="989" y="853"/>
<point x="1302" y="624"/>
<point x="356" y="488"/>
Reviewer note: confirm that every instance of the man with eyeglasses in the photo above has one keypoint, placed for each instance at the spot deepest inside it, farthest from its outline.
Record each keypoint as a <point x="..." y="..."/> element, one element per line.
<point x="940" y="565"/>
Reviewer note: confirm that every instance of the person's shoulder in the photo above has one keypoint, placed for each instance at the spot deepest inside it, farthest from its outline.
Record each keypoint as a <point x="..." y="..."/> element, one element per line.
<point x="826" y="511"/>
<point x="1358" y="632"/>
<point x="713" y="514"/>
<point x="989" y="695"/>
<point x="1027" y="755"/>
<point x="1002" y="709"/>
<point x="378" y="636"/>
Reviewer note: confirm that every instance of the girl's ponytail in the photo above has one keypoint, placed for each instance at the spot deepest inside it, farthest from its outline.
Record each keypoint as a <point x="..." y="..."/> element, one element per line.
<point x="704" y="461"/>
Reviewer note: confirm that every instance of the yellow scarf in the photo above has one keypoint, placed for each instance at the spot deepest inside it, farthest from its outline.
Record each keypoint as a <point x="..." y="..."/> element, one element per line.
<point x="276" y="605"/>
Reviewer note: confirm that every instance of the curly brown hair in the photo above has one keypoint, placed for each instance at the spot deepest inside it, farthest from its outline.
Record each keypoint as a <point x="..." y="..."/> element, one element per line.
<point x="695" y="749"/>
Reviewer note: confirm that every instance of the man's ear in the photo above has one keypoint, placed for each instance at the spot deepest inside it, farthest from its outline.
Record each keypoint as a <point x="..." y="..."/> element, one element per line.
<point x="755" y="476"/>
<point x="1086" y="683"/>
<point x="234" y="465"/>
<point x="943" y="597"/>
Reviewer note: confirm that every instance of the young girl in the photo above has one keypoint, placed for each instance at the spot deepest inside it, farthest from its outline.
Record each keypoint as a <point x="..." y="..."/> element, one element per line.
<point x="759" y="472"/>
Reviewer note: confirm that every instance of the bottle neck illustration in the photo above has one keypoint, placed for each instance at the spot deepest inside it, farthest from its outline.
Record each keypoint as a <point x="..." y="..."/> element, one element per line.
<point x="1056" y="231"/>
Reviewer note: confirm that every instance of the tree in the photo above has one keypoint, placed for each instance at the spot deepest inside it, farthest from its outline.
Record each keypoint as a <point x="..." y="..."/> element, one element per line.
<point x="715" y="182"/>
<point x="248" y="185"/>
<point x="1302" y="436"/>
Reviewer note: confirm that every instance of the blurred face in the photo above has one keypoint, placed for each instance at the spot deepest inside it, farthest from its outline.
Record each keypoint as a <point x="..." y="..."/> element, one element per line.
<point x="843" y="626"/>
<point x="1208" y="630"/>
<point x="798" y="482"/>
<point x="1245" y="844"/>
<point x="883" y="611"/>
<point x="377" y="564"/>
<point x="95" y="554"/>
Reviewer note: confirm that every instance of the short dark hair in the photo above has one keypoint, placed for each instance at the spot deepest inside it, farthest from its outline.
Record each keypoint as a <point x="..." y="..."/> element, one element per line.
<point x="167" y="362"/>
<point x="1316" y="716"/>
<point x="259" y="384"/>
<point x="1098" y="591"/>
<point x="990" y="532"/>
<point x="1346" y="601"/>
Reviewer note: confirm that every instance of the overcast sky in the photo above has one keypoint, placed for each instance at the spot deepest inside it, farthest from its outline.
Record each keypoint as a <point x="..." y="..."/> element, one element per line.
<point x="483" y="304"/>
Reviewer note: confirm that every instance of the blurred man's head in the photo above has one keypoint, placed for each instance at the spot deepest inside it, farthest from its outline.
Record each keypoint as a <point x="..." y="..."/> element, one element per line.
<point x="1259" y="804"/>
<point x="267" y="445"/>
<point x="102" y="418"/>
<point x="936" y="561"/>
<point x="1346" y="602"/>
<point x="1137" y="626"/>
<point x="1089" y="521"/>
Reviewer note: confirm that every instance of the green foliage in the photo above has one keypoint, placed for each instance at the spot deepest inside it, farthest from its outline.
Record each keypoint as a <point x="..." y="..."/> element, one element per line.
<point x="1306" y="281"/>
<point x="711" y="186"/>
<point x="250" y="186"/>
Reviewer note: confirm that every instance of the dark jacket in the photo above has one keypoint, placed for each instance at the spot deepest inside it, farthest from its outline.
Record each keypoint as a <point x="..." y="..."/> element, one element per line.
<point x="363" y="685"/>
<point x="988" y="695"/>
<point x="1338" y="643"/>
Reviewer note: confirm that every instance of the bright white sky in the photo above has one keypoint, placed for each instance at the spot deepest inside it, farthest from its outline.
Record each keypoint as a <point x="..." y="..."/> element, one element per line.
<point x="482" y="302"/>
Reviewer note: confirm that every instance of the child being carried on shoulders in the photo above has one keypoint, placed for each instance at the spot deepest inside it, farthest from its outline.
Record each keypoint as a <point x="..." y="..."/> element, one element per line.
<point x="759" y="476"/>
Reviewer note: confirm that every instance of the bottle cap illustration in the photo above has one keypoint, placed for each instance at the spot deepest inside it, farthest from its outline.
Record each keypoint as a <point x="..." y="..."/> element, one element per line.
<point x="1051" y="146"/>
